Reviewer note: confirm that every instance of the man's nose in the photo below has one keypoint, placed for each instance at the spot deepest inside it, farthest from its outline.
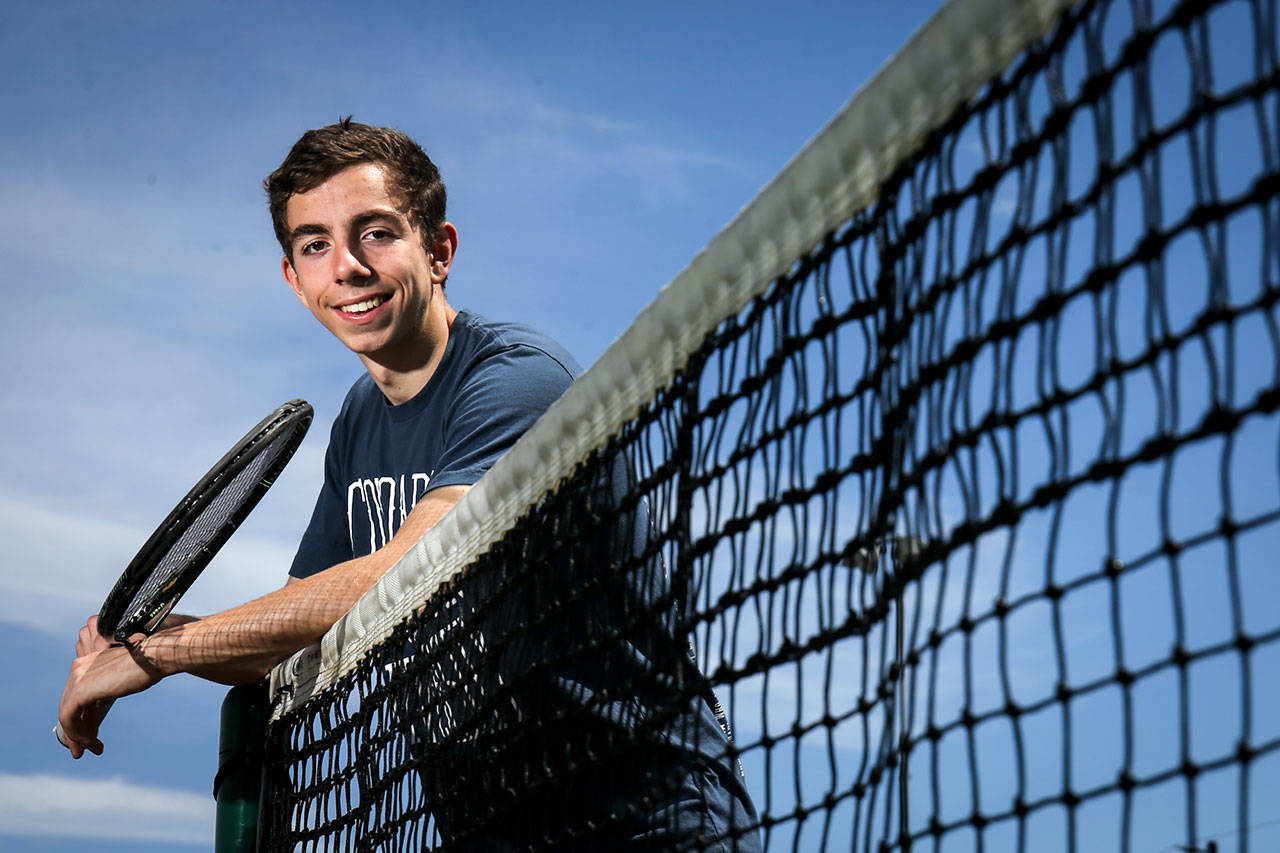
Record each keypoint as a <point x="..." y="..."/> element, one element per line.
<point x="349" y="266"/>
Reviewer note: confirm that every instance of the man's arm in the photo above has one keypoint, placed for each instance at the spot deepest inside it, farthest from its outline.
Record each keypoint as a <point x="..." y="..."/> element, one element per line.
<point x="90" y="640"/>
<point x="237" y="646"/>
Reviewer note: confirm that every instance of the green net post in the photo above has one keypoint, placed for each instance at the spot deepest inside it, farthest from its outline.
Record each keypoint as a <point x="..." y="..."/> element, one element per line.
<point x="238" y="782"/>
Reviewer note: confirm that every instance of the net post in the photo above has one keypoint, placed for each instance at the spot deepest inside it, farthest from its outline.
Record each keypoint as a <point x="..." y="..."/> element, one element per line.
<point x="238" y="783"/>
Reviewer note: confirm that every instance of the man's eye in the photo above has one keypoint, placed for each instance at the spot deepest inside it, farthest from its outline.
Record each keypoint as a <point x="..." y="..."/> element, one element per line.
<point x="378" y="234"/>
<point x="313" y="247"/>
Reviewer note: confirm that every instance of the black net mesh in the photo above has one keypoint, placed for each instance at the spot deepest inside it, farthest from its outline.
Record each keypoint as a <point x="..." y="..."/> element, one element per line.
<point x="968" y="525"/>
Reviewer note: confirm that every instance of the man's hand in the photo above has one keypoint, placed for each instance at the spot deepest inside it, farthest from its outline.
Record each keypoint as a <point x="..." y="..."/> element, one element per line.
<point x="100" y="672"/>
<point x="90" y="640"/>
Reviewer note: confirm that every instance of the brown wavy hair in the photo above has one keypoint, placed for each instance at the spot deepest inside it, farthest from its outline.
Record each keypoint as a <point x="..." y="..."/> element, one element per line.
<point x="414" y="181"/>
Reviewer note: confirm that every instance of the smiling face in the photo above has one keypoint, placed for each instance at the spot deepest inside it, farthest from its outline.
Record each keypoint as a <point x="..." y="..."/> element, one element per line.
<point x="361" y="268"/>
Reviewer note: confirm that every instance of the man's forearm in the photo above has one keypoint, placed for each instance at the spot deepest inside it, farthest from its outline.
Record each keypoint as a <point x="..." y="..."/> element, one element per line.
<point x="242" y="644"/>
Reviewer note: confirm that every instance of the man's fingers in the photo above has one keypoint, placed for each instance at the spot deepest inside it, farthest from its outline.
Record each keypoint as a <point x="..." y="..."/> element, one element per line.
<point x="78" y="720"/>
<point x="78" y="733"/>
<point x="73" y="730"/>
<point x="68" y="740"/>
<point x="94" y="746"/>
<point x="89" y="640"/>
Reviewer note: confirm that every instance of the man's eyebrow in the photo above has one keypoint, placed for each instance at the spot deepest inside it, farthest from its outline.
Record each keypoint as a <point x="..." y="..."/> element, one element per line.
<point x="378" y="214"/>
<point x="307" y="231"/>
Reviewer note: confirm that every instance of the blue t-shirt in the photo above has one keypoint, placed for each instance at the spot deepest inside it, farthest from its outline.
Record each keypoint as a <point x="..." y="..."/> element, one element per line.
<point x="494" y="381"/>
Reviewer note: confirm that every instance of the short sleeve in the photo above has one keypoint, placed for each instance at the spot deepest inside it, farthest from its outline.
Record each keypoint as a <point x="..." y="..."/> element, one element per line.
<point x="497" y="401"/>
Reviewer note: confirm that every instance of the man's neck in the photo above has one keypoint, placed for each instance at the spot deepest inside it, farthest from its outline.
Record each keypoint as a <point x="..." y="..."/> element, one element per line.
<point x="400" y="376"/>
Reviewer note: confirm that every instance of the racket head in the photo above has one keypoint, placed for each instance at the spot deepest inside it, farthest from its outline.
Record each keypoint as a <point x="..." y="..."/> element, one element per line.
<point x="184" y="543"/>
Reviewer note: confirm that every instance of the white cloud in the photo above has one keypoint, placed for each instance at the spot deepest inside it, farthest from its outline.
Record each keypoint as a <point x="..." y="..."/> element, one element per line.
<point x="68" y="807"/>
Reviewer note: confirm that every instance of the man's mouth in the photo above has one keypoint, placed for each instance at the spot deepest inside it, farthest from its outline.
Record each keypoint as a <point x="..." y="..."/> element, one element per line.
<point x="364" y="306"/>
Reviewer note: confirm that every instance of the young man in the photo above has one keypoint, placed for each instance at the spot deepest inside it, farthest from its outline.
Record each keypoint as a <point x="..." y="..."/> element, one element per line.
<point x="360" y="215"/>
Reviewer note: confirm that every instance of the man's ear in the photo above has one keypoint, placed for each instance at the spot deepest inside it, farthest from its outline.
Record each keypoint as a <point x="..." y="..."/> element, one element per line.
<point x="291" y="276"/>
<point x="443" y="251"/>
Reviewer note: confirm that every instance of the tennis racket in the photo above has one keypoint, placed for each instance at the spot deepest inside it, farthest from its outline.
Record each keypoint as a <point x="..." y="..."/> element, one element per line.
<point x="199" y="525"/>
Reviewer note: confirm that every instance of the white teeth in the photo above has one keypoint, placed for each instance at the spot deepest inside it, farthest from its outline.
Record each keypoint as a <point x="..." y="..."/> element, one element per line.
<point x="367" y="305"/>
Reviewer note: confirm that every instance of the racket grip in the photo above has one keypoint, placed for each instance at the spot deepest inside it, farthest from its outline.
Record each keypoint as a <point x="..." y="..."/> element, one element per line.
<point x="101" y="707"/>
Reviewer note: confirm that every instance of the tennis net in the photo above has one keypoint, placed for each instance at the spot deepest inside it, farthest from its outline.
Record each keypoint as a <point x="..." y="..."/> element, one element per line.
<point x="945" y="481"/>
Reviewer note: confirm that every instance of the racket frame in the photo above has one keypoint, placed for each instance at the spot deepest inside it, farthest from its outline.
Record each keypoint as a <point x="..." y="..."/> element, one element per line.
<point x="114" y="623"/>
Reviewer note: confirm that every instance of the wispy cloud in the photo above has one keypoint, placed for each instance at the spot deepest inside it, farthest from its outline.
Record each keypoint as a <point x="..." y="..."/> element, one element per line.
<point x="547" y="145"/>
<point x="67" y="807"/>
<point x="72" y="561"/>
<point x="69" y="564"/>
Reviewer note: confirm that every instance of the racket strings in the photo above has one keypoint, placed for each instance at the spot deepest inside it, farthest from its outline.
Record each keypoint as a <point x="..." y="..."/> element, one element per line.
<point x="203" y="534"/>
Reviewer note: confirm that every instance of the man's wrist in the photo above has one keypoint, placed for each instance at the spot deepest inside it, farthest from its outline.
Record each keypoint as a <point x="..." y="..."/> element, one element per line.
<point x="159" y="653"/>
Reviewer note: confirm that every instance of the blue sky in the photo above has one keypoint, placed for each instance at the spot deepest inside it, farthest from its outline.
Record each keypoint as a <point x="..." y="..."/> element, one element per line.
<point x="590" y="151"/>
